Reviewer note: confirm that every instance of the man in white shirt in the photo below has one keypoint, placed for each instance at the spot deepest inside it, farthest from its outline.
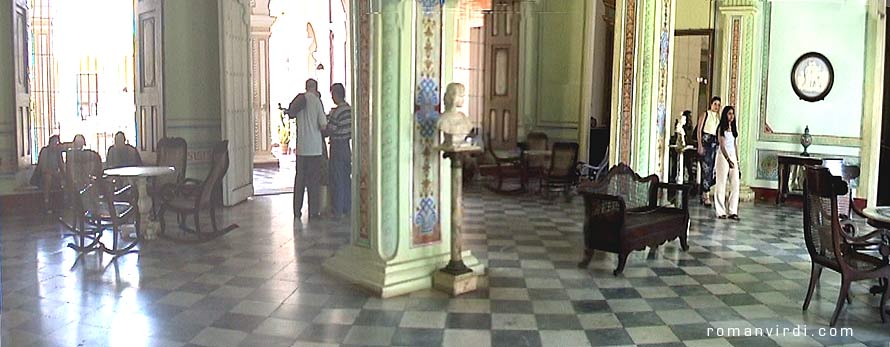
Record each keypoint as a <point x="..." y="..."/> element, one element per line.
<point x="311" y="119"/>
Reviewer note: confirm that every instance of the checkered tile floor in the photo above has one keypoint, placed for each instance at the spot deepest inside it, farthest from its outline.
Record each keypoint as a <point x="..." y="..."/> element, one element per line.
<point x="274" y="180"/>
<point x="261" y="285"/>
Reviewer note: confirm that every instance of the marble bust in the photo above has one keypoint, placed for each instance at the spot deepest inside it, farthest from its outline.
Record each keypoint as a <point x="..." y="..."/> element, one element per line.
<point x="453" y="123"/>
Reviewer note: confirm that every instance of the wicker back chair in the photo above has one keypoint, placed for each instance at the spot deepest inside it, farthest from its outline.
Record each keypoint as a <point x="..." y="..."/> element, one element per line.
<point x="830" y="243"/>
<point x="194" y="196"/>
<point x="173" y="152"/>
<point x="563" y="171"/>
<point x="508" y="164"/>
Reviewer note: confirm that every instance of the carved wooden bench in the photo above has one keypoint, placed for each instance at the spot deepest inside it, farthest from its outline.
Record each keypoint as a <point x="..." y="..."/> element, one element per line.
<point x="625" y="212"/>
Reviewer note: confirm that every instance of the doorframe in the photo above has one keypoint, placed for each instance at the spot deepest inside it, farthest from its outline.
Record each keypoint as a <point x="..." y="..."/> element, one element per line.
<point x="711" y="34"/>
<point x="587" y="70"/>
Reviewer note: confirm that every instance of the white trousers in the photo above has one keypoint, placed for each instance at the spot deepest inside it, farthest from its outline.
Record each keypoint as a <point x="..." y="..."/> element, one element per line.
<point x="727" y="179"/>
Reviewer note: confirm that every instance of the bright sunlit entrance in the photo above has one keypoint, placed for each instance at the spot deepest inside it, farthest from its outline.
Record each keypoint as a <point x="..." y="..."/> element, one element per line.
<point x="306" y="41"/>
<point x="82" y="79"/>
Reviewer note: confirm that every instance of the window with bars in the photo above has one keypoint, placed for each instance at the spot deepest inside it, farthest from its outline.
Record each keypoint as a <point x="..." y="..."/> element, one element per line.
<point x="87" y="95"/>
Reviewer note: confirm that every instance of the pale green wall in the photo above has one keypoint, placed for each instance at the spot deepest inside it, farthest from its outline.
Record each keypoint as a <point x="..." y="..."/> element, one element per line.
<point x="561" y="44"/>
<point x="7" y="103"/>
<point x="836" y="30"/>
<point x="192" y="75"/>
<point x="693" y="14"/>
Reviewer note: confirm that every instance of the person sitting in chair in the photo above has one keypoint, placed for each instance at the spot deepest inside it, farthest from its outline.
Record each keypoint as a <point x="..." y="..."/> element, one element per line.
<point x="48" y="174"/>
<point x="122" y="154"/>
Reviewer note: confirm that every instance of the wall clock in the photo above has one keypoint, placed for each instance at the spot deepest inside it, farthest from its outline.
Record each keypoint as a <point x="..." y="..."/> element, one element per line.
<point x="812" y="77"/>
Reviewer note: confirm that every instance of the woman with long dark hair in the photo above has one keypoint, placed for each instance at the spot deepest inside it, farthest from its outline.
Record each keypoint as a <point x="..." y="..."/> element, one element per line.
<point x="707" y="147"/>
<point x="727" y="166"/>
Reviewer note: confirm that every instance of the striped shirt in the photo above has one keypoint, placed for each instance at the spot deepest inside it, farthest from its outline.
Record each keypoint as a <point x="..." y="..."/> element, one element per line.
<point x="340" y="123"/>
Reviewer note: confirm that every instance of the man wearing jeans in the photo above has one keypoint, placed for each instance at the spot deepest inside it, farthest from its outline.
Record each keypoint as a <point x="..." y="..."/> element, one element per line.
<point x="340" y="131"/>
<point x="310" y="121"/>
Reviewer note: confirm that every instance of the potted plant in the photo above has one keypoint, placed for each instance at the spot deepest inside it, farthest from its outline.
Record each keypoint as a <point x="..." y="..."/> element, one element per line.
<point x="284" y="130"/>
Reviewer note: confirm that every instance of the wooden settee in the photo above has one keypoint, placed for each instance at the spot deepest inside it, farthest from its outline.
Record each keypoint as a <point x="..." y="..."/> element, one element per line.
<point x="625" y="212"/>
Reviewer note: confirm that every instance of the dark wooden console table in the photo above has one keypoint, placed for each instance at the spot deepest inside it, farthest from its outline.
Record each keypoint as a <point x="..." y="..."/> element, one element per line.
<point x="785" y="163"/>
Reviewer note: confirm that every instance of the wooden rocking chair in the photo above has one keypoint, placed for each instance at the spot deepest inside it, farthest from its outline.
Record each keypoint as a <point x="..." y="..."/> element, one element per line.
<point x="192" y="197"/>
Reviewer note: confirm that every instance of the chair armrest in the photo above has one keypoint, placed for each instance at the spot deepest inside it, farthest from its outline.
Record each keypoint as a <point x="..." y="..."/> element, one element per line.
<point x="871" y="239"/>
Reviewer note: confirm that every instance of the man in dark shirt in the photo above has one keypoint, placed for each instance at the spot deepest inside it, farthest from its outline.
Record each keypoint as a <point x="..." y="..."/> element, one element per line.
<point x="122" y="154"/>
<point x="48" y="174"/>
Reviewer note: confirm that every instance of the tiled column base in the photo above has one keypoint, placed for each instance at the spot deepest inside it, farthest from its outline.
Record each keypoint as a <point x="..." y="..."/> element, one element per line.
<point x="389" y="279"/>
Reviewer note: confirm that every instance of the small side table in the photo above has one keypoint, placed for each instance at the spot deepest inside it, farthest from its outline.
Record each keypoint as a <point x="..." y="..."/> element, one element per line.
<point x="785" y="161"/>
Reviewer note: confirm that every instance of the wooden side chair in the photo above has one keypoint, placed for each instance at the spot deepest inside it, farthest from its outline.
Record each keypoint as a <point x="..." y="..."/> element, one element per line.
<point x="831" y="243"/>
<point x="103" y="213"/>
<point x="536" y="165"/>
<point x="193" y="197"/>
<point x="507" y="165"/>
<point x="562" y="173"/>
<point x="81" y="167"/>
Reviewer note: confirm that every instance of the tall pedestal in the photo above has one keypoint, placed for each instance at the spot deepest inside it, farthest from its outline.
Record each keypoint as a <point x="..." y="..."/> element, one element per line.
<point x="456" y="278"/>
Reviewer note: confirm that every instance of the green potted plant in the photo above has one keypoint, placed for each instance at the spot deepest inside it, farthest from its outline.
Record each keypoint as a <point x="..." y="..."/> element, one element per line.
<point x="284" y="130"/>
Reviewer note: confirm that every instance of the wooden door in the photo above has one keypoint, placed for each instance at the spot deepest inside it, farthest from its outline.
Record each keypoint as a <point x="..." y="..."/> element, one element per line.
<point x="149" y="77"/>
<point x="501" y="121"/>
<point x="24" y="140"/>
<point x="234" y="46"/>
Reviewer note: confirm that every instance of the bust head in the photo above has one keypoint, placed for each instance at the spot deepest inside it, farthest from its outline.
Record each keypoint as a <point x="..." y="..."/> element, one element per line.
<point x="454" y="96"/>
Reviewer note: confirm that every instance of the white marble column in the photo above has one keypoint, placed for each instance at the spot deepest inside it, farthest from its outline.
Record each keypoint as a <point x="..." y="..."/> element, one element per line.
<point x="398" y="241"/>
<point x="739" y="86"/>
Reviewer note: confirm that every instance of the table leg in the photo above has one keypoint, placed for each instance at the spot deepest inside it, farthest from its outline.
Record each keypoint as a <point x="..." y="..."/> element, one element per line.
<point x="782" y="183"/>
<point x="148" y="226"/>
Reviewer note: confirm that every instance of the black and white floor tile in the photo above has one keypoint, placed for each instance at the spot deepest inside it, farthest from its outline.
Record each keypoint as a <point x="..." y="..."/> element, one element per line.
<point x="262" y="285"/>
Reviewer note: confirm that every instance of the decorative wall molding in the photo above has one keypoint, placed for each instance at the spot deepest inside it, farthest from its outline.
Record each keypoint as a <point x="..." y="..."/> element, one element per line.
<point x="766" y="134"/>
<point x="426" y="202"/>
<point x="645" y="82"/>
<point x="664" y="44"/>
<point x="363" y="118"/>
<point x="734" y="59"/>
<point x="626" y="119"/>
<point x="768" y="165"/>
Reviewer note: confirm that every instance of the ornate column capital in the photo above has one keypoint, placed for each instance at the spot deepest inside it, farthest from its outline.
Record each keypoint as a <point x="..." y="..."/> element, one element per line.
<point x="738" y="7"/>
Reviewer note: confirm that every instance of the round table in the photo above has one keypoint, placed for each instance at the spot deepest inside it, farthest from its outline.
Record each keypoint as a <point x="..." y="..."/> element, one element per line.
<point x="878" y="217"/>
<point x="141" y="174"/>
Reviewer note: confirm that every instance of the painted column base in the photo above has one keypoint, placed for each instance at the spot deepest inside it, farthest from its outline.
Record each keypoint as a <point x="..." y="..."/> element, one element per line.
<point x="387" y="279"/>
<point x="455" y="285"/>
<point x="746" y="194"/>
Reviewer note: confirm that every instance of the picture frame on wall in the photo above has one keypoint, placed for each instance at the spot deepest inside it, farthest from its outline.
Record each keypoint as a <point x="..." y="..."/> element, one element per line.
<point x="812" y="77"/>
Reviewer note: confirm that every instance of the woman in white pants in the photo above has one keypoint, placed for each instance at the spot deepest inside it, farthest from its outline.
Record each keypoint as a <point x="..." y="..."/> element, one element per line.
<point x="727" y="166"/>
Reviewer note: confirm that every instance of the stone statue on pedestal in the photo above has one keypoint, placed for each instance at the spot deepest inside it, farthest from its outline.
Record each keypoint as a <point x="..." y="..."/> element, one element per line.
<point x="453" y="123"/>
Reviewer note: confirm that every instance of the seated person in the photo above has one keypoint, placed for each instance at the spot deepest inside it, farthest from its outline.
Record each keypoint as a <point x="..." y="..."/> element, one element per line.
<point x="122" y="154"/>
<point x="48" y="175"/>
<point x="79" y="142"/>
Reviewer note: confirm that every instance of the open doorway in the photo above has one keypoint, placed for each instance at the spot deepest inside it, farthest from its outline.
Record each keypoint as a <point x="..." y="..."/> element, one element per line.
<point x="306" y="41"/>
<point x="82" y="71"/>
<point x="692" y="87"/>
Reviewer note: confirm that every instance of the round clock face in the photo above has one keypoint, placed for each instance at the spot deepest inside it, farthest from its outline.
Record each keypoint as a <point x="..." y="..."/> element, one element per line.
<point x="812" y="77"/>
